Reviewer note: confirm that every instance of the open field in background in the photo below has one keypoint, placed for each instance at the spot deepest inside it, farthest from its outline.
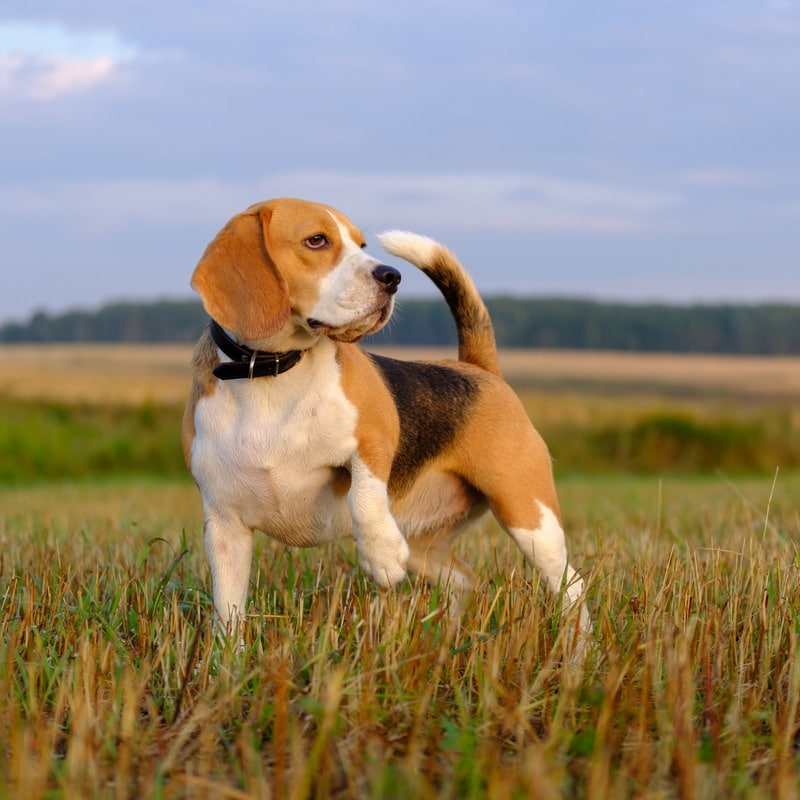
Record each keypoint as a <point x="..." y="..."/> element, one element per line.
<point x="73" y="411"/>
<point x="676" y="513"/>
<point x="160" y="373"/>
<point x="128" y="374"/>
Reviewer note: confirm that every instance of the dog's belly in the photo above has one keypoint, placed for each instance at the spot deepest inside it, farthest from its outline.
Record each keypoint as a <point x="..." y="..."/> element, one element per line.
<point x="301" y="510"/>
<point x="437" y="501"/>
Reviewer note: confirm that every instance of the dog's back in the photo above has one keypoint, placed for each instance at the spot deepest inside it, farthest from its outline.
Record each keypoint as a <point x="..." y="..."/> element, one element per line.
<point x="476" y="343"/>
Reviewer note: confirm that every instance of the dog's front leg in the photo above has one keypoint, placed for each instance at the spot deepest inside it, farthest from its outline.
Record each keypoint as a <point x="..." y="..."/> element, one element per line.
<point x="229" y="548"/>
<point x="382" y="548"/>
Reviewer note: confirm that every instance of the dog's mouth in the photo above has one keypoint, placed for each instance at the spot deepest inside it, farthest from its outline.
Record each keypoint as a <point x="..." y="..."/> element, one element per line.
<point x="353" y="331"/>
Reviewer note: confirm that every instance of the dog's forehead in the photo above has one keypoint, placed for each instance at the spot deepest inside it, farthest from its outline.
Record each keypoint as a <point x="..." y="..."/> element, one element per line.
<point x="346" y="228"/>
<point x="298" y="219"/>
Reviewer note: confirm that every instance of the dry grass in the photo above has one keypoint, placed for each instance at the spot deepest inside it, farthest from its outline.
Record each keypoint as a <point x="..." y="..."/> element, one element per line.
<point x="96" y="373"/>
<point x="113" y="686"/>
<point x="160" y="373"/>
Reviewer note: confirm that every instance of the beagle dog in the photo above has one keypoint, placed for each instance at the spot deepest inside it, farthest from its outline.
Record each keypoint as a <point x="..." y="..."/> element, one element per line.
<point x="294" y="430"/>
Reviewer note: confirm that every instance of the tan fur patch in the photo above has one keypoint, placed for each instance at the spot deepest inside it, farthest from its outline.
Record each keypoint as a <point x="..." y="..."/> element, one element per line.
<point x="378" y="429"/>
<point x="500" y="450"/>
<point x="239" y="282"/>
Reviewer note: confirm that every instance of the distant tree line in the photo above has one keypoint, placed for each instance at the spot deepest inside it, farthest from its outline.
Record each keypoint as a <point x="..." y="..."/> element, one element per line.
<point x="163" y="321"/>
<point x="772" y="329"/>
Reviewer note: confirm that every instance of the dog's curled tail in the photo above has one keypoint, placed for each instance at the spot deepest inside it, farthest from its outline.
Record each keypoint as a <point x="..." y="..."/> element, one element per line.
<point x="476" y="343"/>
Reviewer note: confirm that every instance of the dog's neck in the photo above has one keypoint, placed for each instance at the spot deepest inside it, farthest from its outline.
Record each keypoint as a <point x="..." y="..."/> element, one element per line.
<point x="246" y="362"/>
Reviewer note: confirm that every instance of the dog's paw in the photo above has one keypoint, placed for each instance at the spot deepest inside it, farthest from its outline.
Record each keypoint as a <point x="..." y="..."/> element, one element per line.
<point x="384" y="559"/>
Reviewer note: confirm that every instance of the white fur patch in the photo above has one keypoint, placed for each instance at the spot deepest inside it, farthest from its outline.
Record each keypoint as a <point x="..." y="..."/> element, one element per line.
<point x="545" y="548"/>
<point x="229" y="548"/>
<point x="349" y="291"/>
<point x="382" y="549"/>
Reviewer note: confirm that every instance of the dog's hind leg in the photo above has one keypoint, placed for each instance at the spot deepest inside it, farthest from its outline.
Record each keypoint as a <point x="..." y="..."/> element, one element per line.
<point x="537" y="531"/>
<point x="512" y="470"/>
<point x="544" y="547"/>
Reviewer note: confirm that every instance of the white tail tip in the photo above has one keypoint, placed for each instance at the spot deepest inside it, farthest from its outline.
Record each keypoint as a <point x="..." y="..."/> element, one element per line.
<point x="419" y="250"/>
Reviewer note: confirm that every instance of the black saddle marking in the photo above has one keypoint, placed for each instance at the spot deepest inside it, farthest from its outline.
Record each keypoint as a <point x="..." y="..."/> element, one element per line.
<point x="433" y="402"/>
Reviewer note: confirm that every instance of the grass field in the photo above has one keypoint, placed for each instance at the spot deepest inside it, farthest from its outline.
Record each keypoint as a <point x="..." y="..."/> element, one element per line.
<point x="111" y="684"/>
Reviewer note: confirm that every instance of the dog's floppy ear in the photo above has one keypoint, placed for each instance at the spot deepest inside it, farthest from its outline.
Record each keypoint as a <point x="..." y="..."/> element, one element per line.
<point x="239" y="282"/>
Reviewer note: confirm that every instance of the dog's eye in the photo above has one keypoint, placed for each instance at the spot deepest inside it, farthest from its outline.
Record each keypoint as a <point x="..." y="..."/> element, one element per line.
<point x="316" y="242"/>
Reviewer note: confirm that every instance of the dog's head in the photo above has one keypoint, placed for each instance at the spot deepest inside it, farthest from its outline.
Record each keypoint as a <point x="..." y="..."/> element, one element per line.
<point x="287" y="271"/>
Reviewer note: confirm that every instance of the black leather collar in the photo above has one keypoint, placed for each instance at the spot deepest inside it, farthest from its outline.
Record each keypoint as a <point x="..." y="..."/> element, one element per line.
<point x="249" y="363"/>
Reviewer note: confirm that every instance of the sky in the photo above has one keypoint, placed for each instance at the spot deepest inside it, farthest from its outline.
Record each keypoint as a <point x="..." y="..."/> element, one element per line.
<point x="634" y="150"/>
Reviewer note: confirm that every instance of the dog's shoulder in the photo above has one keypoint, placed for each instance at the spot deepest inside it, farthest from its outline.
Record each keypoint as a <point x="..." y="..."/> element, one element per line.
<point x="378" y="427"/>
<point x="204" y="358"/>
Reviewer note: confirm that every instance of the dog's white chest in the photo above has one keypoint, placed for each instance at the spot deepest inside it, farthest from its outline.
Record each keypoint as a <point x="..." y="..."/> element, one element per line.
<point x="268" y="451"/>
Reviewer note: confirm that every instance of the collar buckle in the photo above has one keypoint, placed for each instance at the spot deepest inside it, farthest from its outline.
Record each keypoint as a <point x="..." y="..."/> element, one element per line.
<point x="252" y="365"/>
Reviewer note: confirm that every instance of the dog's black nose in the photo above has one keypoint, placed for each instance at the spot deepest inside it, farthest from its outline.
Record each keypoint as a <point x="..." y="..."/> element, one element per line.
<point x="388" y="276"/>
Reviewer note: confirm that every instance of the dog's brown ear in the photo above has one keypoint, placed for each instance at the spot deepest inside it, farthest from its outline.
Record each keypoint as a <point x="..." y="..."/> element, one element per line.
<point x="239" y="282"/>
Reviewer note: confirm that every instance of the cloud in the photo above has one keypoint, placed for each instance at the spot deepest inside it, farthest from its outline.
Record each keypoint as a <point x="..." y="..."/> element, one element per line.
<point x="48" y="78"/>
<point x="43" y="61"/>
